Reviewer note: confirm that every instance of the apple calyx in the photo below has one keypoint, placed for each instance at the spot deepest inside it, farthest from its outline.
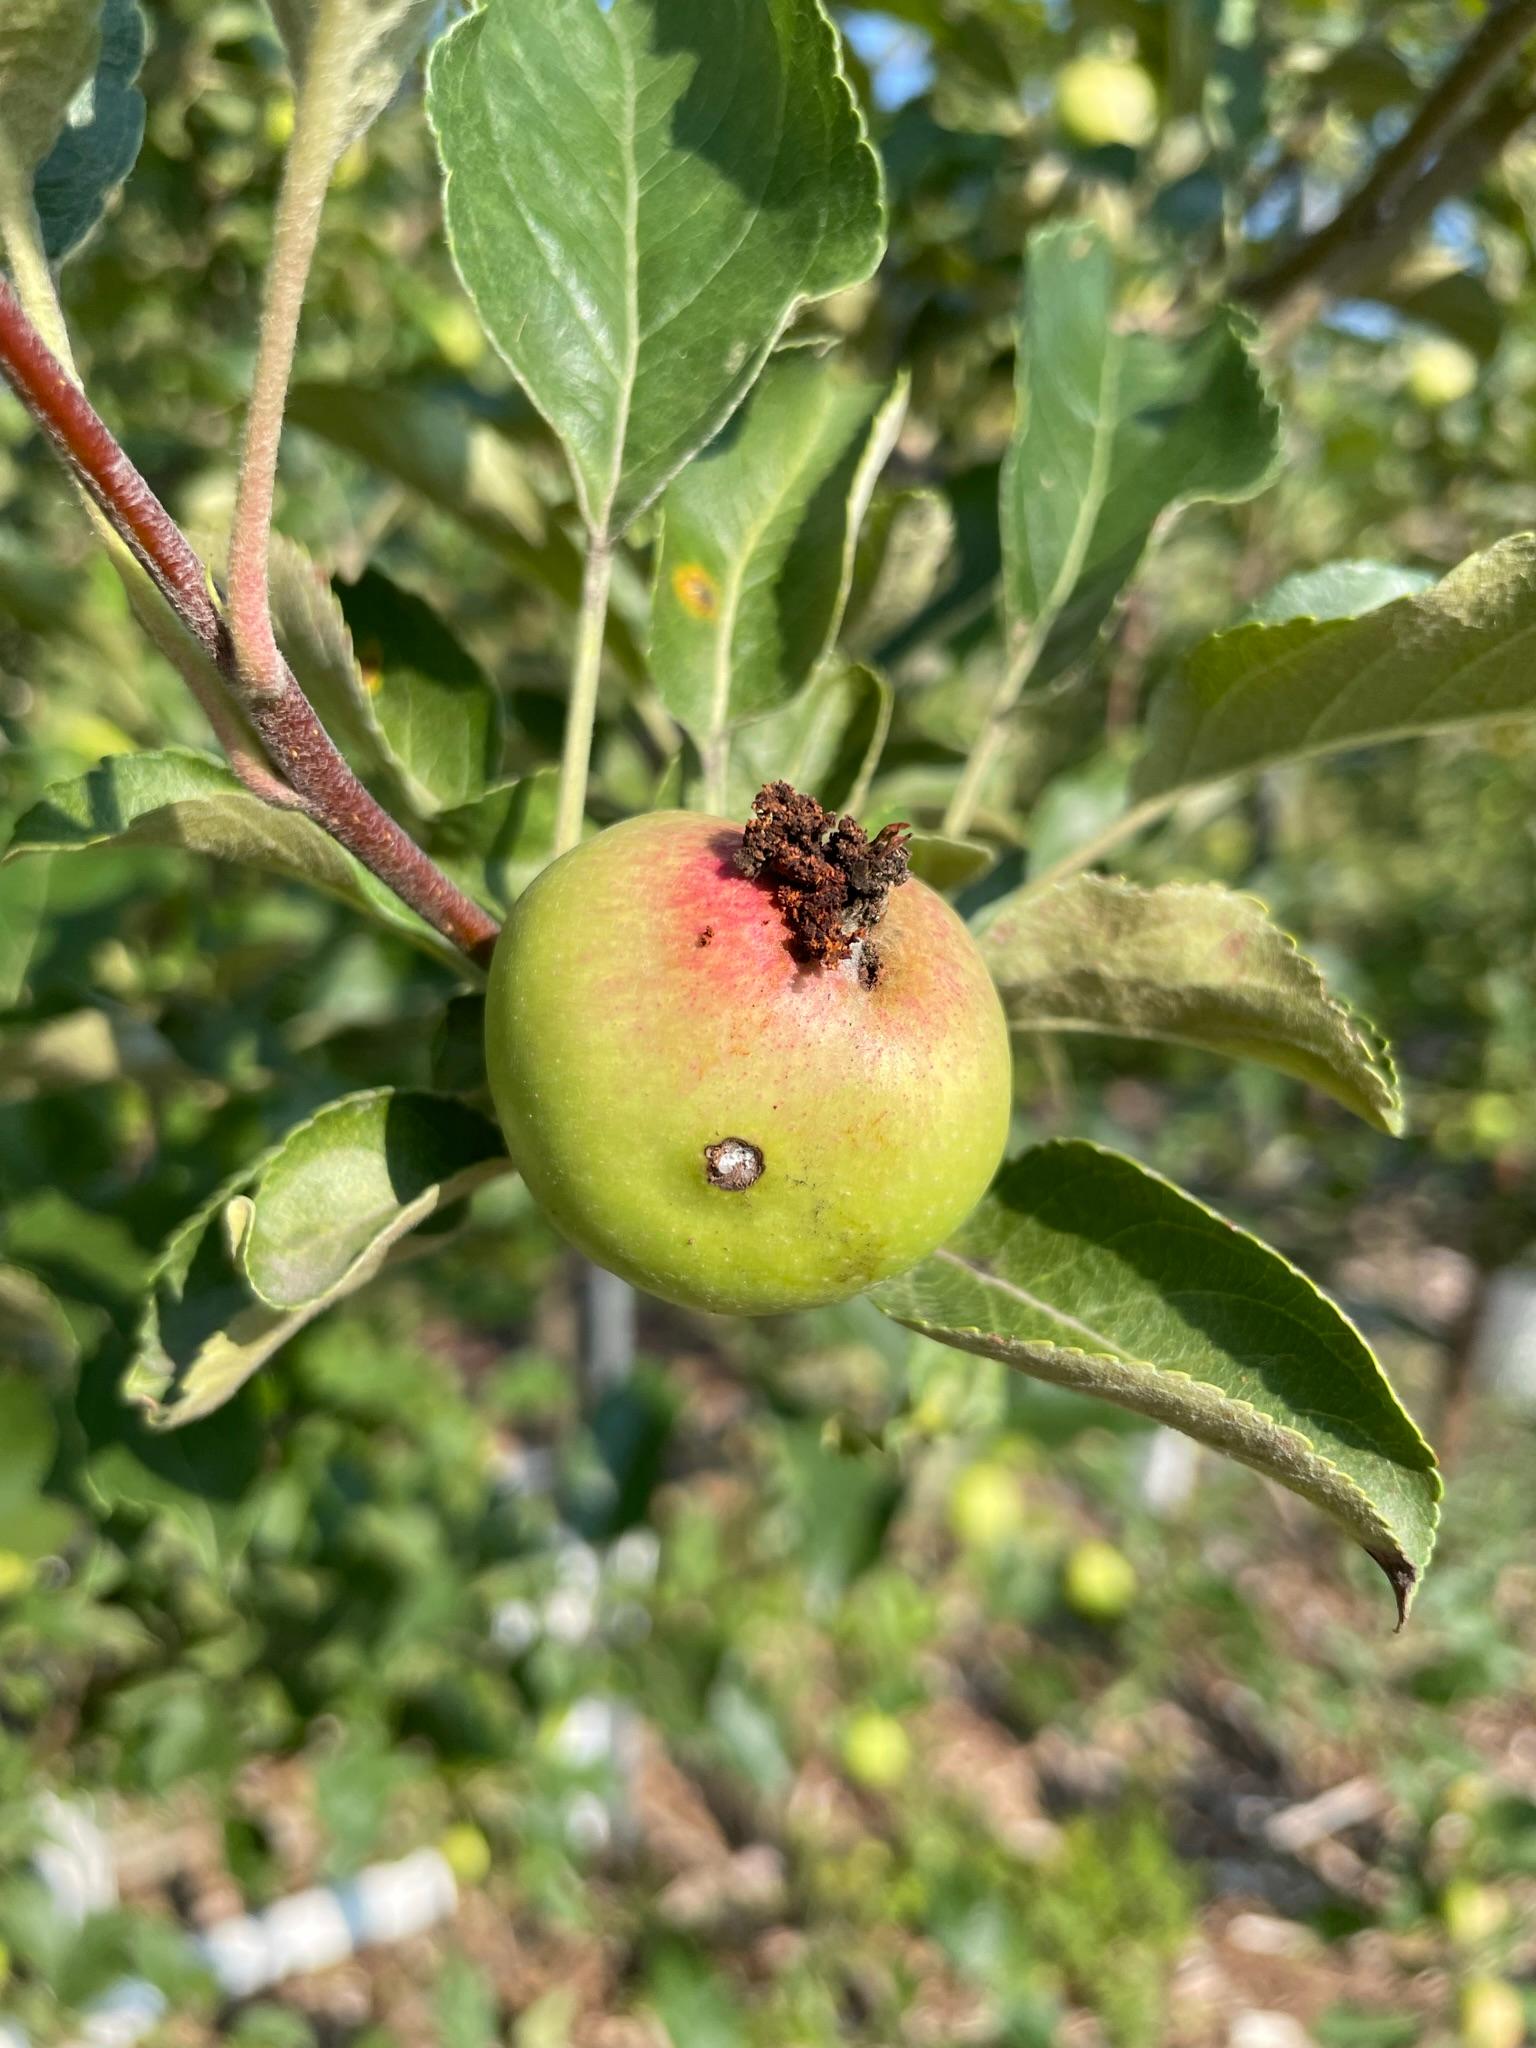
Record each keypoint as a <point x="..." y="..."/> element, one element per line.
<point x="830" y="881"/>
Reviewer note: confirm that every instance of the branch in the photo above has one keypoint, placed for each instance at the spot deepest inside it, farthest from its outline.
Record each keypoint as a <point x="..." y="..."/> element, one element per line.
<point x="1402" y="188"/>
<point x="314" y="777"/>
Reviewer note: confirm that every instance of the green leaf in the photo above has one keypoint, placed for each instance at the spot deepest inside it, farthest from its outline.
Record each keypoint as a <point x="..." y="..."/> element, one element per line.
<point x="100" y="141"/>
<point x="1084" y="1269"/>
<point x="451" y="459"/>
<point x="828" y="742"/>
<point x="1339" y="590"/>
<point x="905" y="545"/>
<point x="23" y="897"/>
<point x="1115" y="428"/>
<point x="180" y="799"/>
<point x="948" y="864"/>
<point x="31" y="1525"/>
<point x="1457" y="652"/>
<point x="316" y="641"/>
<point x="757" y="542"/>
<point x="326" y="1209"/>
<point x="437" y="719"/>
<point x="34" y="1330"/>
<point x="48" y="51"/>
<point x="495" y="846"/>
<point x="375" y="41"/>
<point x="1195" y="966"/>
<point x="355" y="1179"/>
<point x="724" y="180"/>
<point x="81" y="1049"/>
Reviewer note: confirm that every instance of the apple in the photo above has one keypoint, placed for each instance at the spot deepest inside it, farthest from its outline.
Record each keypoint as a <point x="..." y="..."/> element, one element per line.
<point x="986" y="1508"/>
<point x="876" y="1750"/>
<point x="1101" y="100"/>
<point x="1440" y="372"/>
<point x="1492" y="2014"/>
<point x="728" y="1090"/>
<point x="1099" y="1582"/>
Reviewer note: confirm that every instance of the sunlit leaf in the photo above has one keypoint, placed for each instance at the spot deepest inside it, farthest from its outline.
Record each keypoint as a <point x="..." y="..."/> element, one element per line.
<point x="1338" y="590"/>
<point x="365" y="47"/>
<point x="311" y="1221"/>
<point x="1457" y="652"/>
<point x="1115" y="427"/>
<point x="1083" y="1268"/>
<point x="757" y="546"/>
<point x="638" y="198"/>
<point x="48" y="51"/>
<point x="176" y="798"/>
<point x="1193" y="965"/>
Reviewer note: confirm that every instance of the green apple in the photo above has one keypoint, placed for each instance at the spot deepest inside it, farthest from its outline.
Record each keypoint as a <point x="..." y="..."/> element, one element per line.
<point x="1473" y="1913"/>
<point x="713" y="1116"/>
<point x="986" y="1508"/>
<point x="876" y="1751"/>
<point x="1492" y="2014"/>
<point x="1440" y="372"/>
<point x="1099" y="1582"/>
<point x="1101" y="100"/>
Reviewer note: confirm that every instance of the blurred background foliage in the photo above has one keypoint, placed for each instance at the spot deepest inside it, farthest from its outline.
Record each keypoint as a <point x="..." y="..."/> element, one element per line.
<point x="807" y="1684"/>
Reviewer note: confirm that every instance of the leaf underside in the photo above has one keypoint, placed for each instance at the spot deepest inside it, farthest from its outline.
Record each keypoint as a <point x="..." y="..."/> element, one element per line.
<point x="1192" y="965"/>
<point x="1085" y="1269"/>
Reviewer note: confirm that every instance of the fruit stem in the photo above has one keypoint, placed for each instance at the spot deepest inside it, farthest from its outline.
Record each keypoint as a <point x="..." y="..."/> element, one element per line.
<point x="581" y="710"/>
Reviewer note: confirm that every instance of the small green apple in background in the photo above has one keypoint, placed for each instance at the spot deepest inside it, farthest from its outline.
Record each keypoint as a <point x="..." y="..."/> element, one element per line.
<point x="747" y="1091"/>
<point x="1099" y="1582"/>
<point x="986" y="1508"/>
<point x="1439" y="372"/>
<point x="876" y="1751"/>
<point x="1102" y="100"/>
<point x="1492" y="2014"/>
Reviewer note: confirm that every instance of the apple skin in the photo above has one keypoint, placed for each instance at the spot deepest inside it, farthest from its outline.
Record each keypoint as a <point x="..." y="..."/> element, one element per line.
<point x="1102" y="100"/>
<point x="644" y="1005"/>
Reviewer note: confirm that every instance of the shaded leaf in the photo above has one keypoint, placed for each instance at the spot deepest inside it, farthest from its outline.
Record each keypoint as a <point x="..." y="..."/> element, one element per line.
<point x="23" y="896"/>
<point x="31" y="1525"/>
<point x="361" y="1172"/>
<point x="48" y="51"/>
<point x="1457" y="652"/>
<point x="81" y="1049"/>
<point x="1114" y="429"/>
<point x="638" y="198"/>
<point x="436" y="718"/>
<point x="176" y="798"/>
<point x="1083" y="1268"/>
<point x="100" y="141"/>
<point x="828" y="742"/>
<point x="757" y="544"/>
<point x="1195" y="966"/>
<point x="903" y="554"/>
<point x="312" y="631"/>
<point x="948" y="864"/>
<point x="495" y="846"/>
<point x="34" y="1330"/>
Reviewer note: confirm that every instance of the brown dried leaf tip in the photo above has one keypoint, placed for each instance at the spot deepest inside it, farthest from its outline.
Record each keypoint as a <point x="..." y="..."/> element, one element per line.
<point x="830" y="880"/>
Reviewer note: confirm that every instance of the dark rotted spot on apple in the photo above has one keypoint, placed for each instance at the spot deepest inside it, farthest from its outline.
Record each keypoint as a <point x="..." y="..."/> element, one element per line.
<point x="830" y="880"/>
<point x="733" y="1164"/>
